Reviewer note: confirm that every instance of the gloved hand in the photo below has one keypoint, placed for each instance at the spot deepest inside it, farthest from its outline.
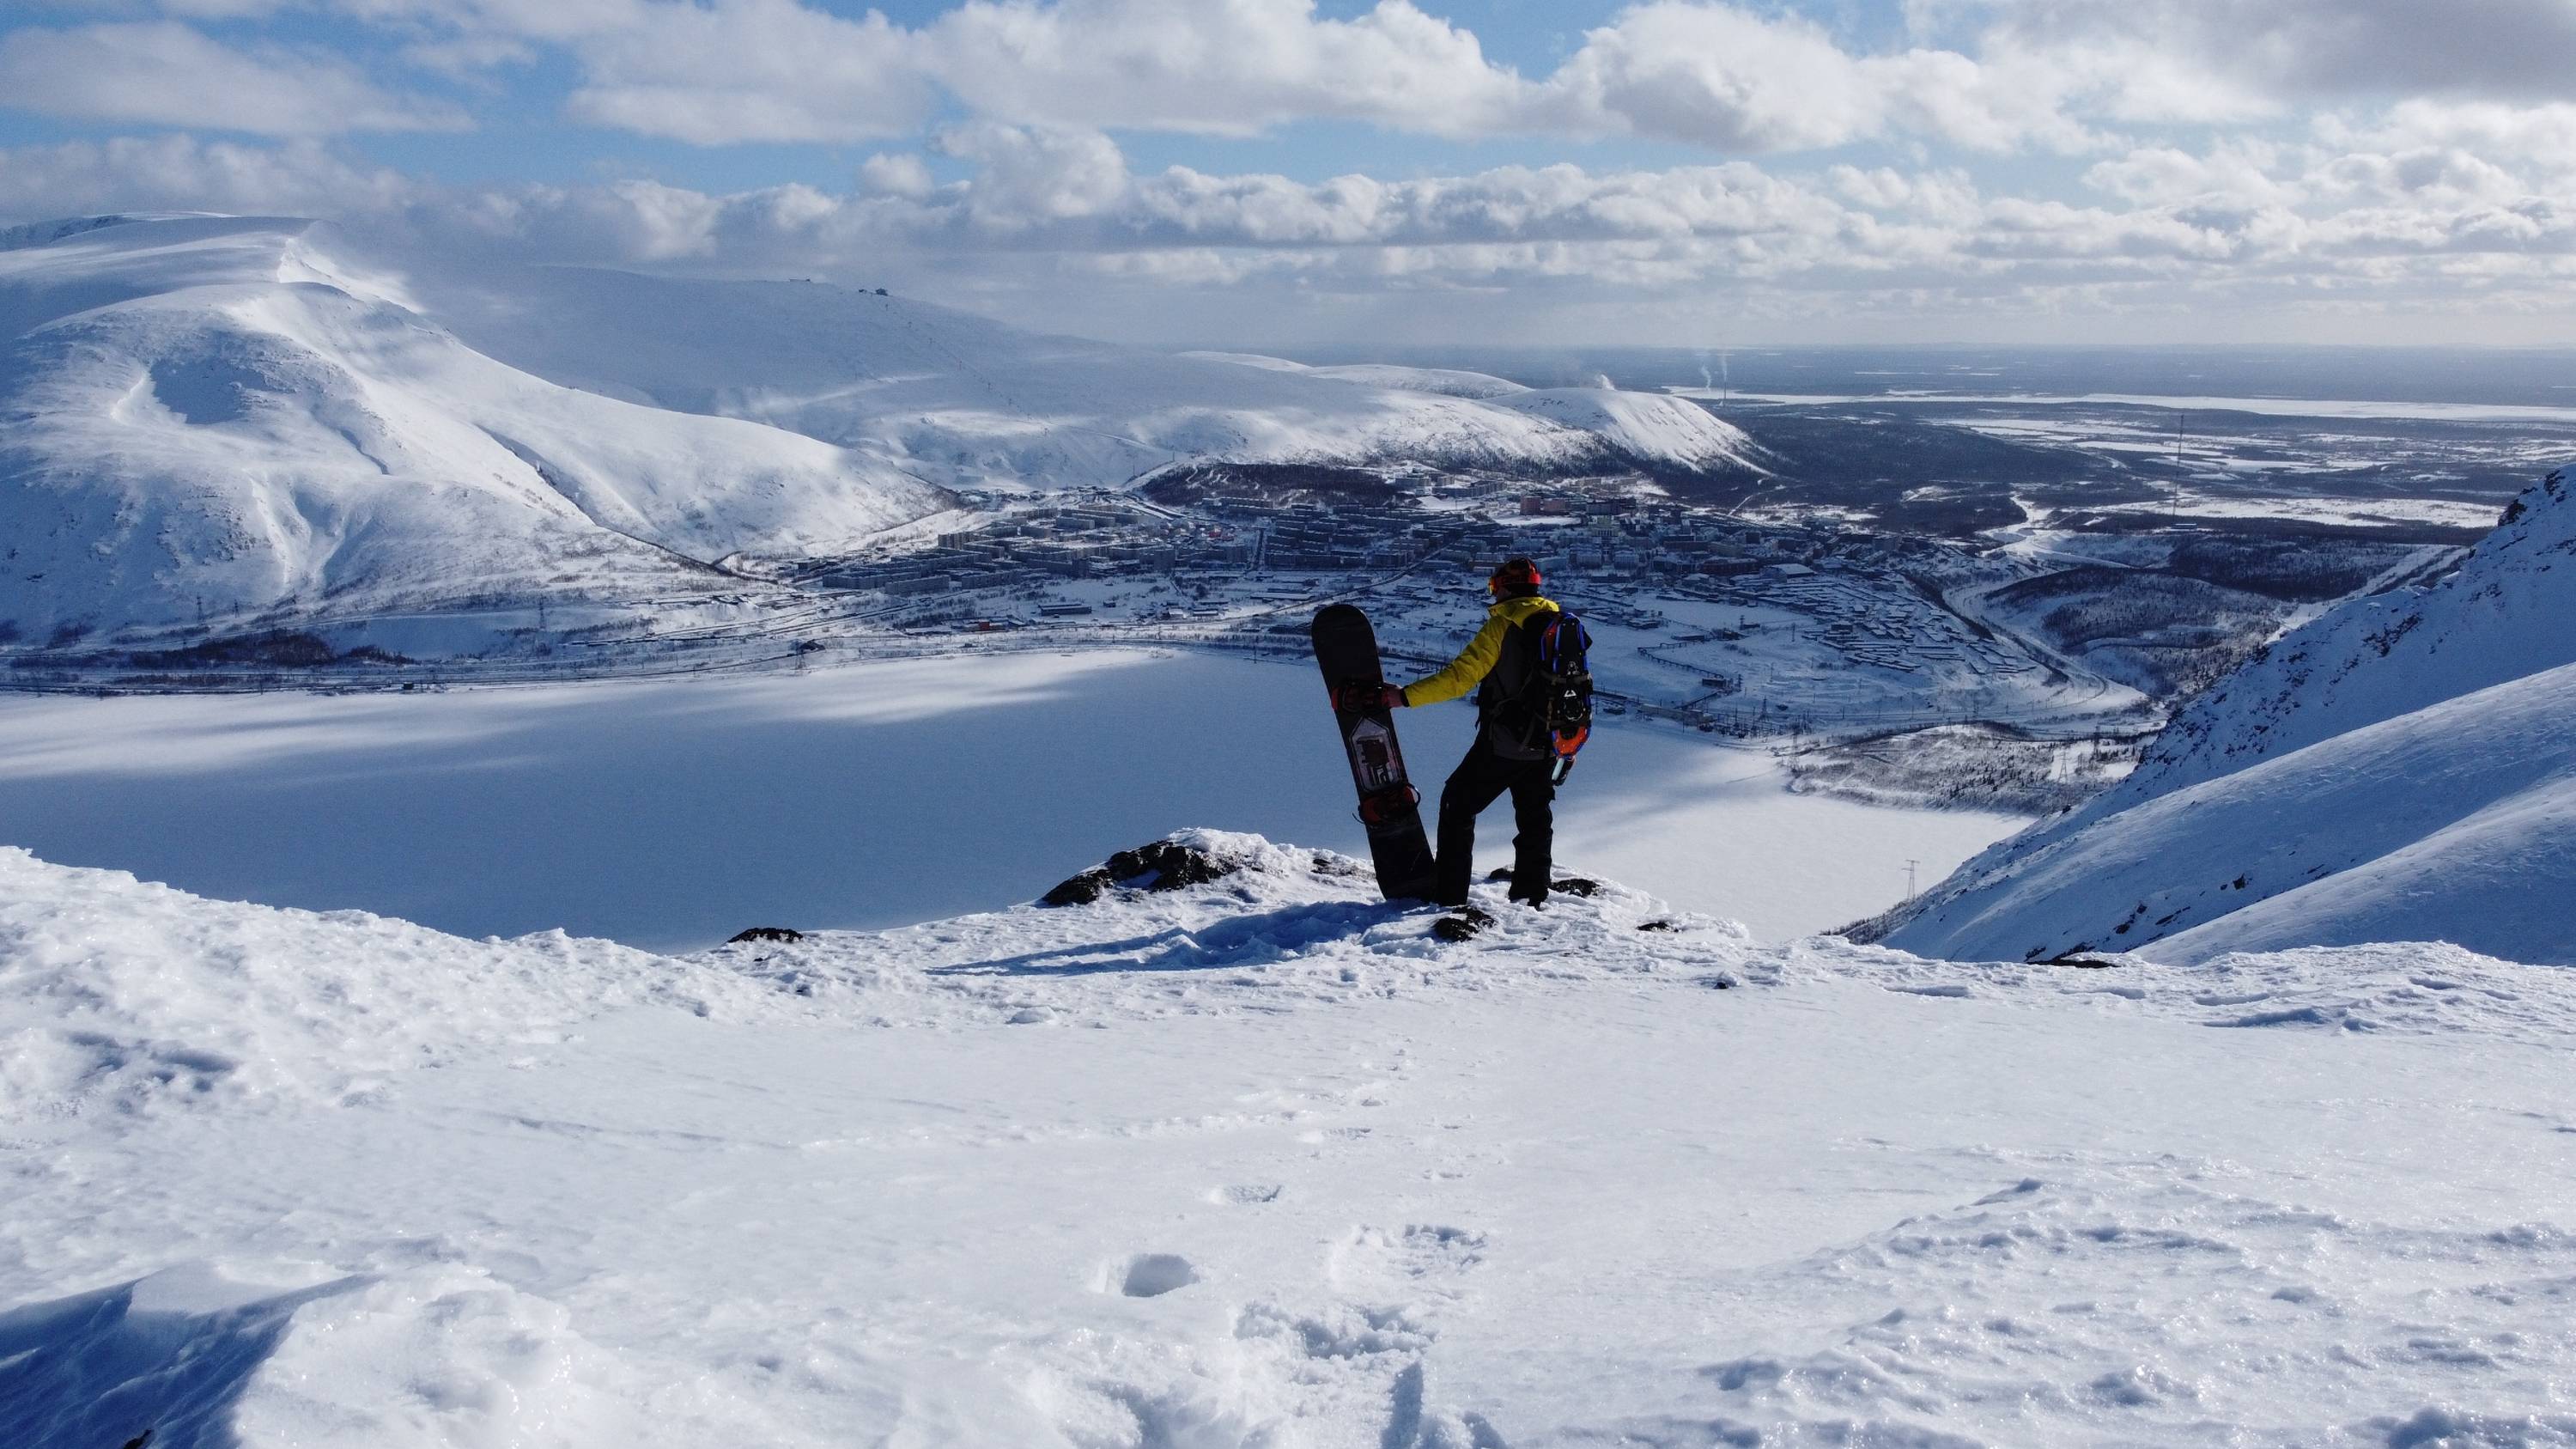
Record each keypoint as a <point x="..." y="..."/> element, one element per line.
<point x="1395" y="697"/>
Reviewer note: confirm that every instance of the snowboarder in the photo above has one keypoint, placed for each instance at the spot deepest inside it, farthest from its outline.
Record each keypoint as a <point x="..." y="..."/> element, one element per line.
<point x="1497" y="665"/>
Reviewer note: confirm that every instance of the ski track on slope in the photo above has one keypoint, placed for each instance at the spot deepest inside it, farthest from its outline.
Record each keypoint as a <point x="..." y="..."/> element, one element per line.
<point x="1254" y="1283"/>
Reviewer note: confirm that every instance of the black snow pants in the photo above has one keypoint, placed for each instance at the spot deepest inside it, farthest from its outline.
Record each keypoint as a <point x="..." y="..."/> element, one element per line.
<point x="1479" y="780"/>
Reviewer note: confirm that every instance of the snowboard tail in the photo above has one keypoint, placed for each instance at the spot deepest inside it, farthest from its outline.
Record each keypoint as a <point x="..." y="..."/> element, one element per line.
<point x="1390" y="806"/>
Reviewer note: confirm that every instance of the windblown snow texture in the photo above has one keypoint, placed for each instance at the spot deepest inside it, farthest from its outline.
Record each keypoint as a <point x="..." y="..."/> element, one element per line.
<point x="1256" y="1159"/>
<point x="2403" y="768"/>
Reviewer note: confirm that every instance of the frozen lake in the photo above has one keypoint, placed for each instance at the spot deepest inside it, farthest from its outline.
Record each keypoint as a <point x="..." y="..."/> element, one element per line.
<point x="670" y="813"/>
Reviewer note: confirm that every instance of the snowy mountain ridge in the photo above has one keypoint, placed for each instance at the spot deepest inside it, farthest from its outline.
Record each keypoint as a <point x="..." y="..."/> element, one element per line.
<point x="965" y="401"/>
<point x="2491" y="620"/>
<point x="38" y="233"/>
<point x="250" y="421"/>
<point x="213" y="417"/>
<point x="2401" y="768"/>
<point x="1657" y="429"/>
<point x="133" y="999"/>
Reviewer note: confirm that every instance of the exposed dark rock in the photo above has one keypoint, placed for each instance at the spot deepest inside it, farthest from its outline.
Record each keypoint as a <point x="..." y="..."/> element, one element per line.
<point x="1170" y="864"/>
<point x="766" y="933"/>
<point x="1461" y="926"/>
<point x="1081" y="890"/>
<point x="1164" y="865"/>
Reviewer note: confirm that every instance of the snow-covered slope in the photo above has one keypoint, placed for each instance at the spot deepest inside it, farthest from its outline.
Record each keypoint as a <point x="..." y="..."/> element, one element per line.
<point x="962" y="400"/>
<point x="1657" y="426"/>
<point x="216" y="414"/>
<point x="2402" y="768"/>
<point x="2456" y="822"/>
<point x="238" y="419"/>
<point x="1656" y="429"/>
<point x="1258" y="1161"/>
<point x="128" y="998"/>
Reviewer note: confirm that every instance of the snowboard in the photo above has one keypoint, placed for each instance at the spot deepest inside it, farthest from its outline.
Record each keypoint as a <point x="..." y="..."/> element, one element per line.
<point x="1391" y="809"/>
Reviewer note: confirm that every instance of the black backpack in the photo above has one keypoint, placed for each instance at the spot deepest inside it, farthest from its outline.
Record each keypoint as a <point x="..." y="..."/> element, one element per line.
<point x="1550" y="716"/>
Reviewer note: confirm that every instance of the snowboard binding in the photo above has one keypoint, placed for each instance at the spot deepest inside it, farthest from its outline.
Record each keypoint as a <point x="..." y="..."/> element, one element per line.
<point x="1390" y="806"/>
<point x="1358" y="696"/>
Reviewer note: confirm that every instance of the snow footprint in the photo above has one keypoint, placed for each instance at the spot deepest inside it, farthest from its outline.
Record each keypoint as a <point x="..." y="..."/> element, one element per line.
<point x="1396" y="1283"/>
<point x="1404" y="1262"/>
<point x="1147" y="1275"/>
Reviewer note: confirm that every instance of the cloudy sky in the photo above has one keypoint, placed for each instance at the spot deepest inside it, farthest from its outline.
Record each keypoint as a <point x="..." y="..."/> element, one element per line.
<point x="1689" y="172"/>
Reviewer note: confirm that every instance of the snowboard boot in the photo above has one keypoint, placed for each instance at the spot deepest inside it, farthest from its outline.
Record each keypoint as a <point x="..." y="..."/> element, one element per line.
<point x="1459" y="927"/>
<point x="1573" y="885"/>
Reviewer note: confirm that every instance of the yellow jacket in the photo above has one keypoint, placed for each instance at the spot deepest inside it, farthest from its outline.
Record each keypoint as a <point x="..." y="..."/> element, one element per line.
<point x="1477" y="660"/>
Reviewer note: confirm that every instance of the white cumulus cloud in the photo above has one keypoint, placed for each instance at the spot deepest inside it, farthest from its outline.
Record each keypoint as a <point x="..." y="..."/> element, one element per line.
<point x="168" y="74"/>
<point x="746" y="70"/>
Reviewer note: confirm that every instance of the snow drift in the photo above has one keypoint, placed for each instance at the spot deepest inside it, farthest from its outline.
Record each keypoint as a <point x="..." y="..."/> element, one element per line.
<point x="123" y="997"/>
<point x="2403" y="768"/>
